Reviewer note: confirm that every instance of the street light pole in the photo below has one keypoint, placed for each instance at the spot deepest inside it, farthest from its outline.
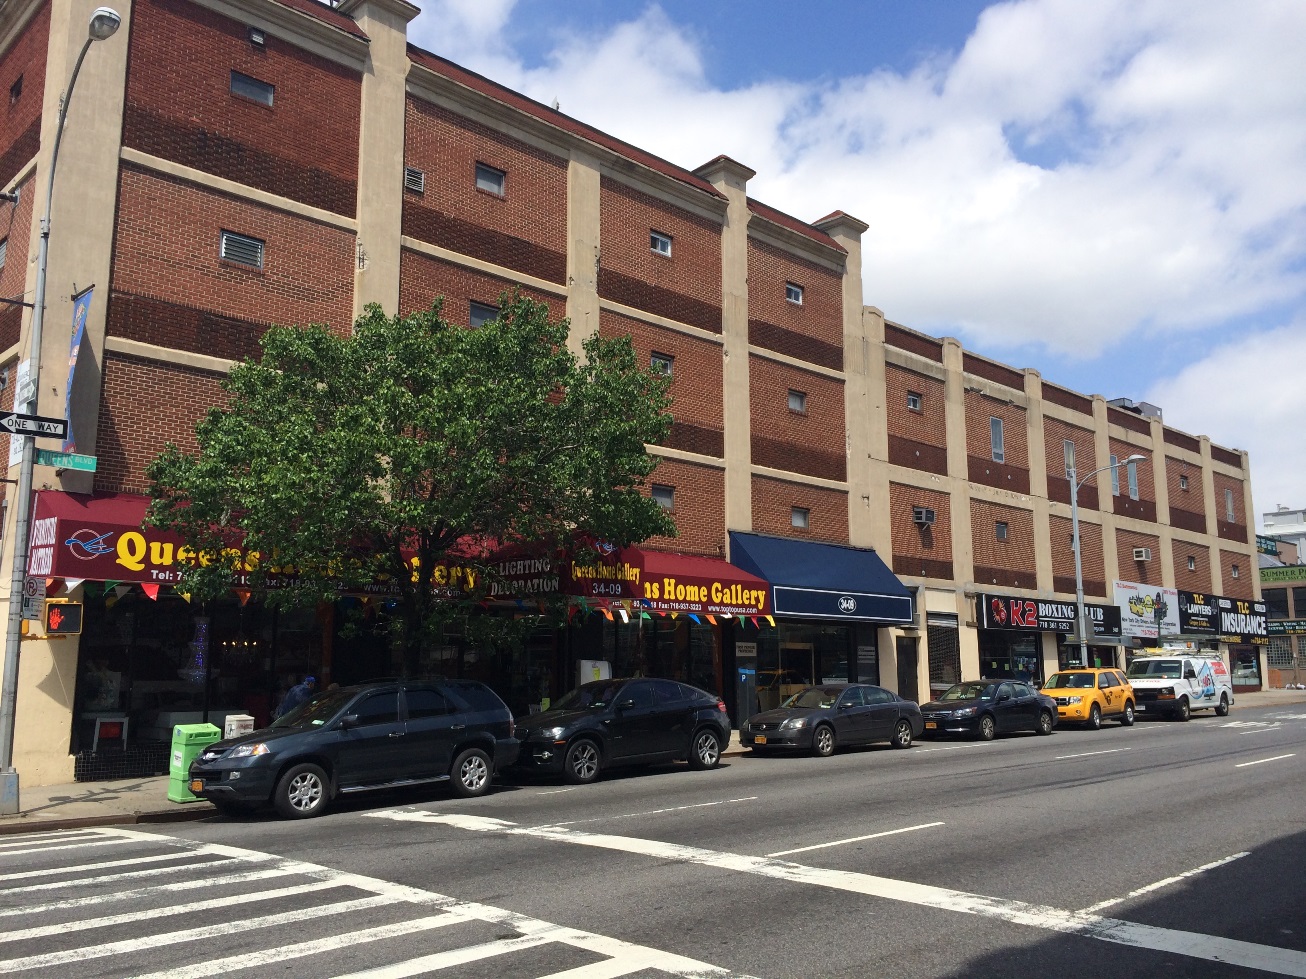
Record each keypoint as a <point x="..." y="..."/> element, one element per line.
<point x="104" y="22"/>
<point x="1075" y="484"/>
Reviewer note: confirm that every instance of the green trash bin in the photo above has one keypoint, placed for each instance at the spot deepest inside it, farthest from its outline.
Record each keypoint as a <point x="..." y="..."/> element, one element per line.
<point x="188" y="740"/>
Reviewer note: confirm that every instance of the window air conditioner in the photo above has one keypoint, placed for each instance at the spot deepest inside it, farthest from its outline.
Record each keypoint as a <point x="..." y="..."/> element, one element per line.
<point x="1142" y="554"/>
<point x="922" y="515"/>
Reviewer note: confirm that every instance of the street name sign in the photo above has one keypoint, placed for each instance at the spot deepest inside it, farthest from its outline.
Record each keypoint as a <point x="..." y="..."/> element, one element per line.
<point x="16" y="424"/>
<point x="65" y="460"/>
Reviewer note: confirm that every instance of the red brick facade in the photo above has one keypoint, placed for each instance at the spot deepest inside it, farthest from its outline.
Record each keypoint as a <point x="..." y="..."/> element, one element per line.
<point x="15" y="231"/>
<point x="1012" y="473"/>
<point x="700" y="519"/>
<point x="22" y="73"/>
<point x="1239" y="572"/>
<point x="923" y="550"/>
<point x="810" y="330"/>
<point x="918" y="437"/>
<point x="1005" y="563"/>
<point x="1230" y="526"/>
<point x="1056" y="434"/>
<point x="1187" y="504"/>
<point x="1146" y="572"/>
<point x="809" y="441"/>
<point x="1198" y="578"/>
<point x="774" y="501"/>
<point x="1092" y="557"/>
<point x="1143" y="508"/>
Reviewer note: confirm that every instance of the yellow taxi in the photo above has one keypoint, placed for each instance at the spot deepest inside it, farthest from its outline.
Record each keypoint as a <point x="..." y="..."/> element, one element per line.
<point x="1088" y="696"/>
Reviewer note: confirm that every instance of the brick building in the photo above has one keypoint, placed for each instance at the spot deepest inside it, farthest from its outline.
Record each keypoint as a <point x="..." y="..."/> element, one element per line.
<point x="229" y="164"/>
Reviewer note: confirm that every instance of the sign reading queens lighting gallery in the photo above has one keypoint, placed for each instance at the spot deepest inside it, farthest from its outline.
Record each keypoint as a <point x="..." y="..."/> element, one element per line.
<point x="1042" y="615"/>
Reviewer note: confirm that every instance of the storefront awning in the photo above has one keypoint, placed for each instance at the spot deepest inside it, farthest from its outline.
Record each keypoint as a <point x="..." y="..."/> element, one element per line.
<point x="667" y="582"/>
<point x="99" y="536"/>
<point x="825" y="581"/>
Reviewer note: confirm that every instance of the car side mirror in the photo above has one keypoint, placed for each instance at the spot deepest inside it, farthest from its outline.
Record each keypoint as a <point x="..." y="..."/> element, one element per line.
<point x="348" y="721"/>
<point x="1003" y="696"/>
<point x="626" y="704"/>
<point x="845" y="705"/>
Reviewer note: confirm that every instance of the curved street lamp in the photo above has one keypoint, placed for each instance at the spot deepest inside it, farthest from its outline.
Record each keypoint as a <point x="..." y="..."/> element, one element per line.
<point x="103" y="24"/>
<point x="1080" y="619"/>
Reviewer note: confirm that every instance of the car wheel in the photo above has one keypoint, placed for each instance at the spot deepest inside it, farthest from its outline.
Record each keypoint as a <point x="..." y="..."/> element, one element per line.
<point x="1044" y="722"/>
<point x="706" y="752"/>
<point x="902" y="735"/>
<point x="581" y="764"/>
<point x="1127" y="718"/>
<point x="823" y="741"/>
<point x="1183" y="711"/>
<point x="471" y="773"/>
<point x="988" y="728"/>
<point x="1095" y="718"/>
<point x="302" y="792"/>
<point x="1222" y="708"/>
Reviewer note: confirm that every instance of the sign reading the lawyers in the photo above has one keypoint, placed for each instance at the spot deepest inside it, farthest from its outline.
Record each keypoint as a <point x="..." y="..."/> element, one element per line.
<point x="1197" y="614"/>
<point x="1040" y="615"/>
<point x="1144" y="608"/>
<point x="1242" y="622"/>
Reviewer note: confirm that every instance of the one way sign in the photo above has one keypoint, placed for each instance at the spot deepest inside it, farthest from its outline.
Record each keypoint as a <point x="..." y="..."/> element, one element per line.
<point x="16" y="424"/>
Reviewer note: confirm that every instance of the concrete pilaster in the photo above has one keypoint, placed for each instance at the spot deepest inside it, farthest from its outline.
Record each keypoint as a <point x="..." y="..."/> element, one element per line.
<point x="1105" y="500"/>
<point x="1212" y="515"/>
<point x="1161" y="489"/>
<point x="954" y="393"/>
<point x="583" y="245"/>
<point x="1038" y="481"/>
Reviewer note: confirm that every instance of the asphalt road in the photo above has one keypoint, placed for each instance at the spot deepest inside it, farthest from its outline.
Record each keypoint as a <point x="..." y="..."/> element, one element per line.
<point x="1168" y="848"/>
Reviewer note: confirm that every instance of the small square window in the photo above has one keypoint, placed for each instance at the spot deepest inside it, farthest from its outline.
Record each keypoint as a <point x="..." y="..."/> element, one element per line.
<point x="1233" y="571"/>
<point x="995" y="440"/>
<point x="798" y="402"/>
<point x="1068" y="451"/>
<point x="252" y="89"/>
<point x="659" y="243"/>
<point x="482" y="313"/>
<point x="241" y="249"/>
<point x="794" y="293"/>
<point x="798" y="517"/>
<point x="490" y="180"/>
<point x="914" y="401"/>
<point x="662" y="363"/>
<point x="16" y="90"/>
<point x="1183" y="483"/>
<point x="1192" y="563"/>
<point x="664" y="496"/>
<point x="1000" y="530"/>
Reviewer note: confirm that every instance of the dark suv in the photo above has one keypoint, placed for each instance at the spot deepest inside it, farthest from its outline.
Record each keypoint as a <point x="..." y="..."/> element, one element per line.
<point x="373" y="736"/>
<point x="609" y="723"/>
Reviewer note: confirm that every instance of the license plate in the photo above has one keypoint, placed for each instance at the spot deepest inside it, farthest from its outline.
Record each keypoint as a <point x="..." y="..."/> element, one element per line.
<point x="760" y="739"/>
<point x="197" y="785"/>
<point x="930" y="725"/>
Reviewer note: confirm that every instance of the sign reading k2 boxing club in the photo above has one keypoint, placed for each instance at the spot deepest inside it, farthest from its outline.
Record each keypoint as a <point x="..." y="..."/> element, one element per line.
<point x="1042" y="615"/>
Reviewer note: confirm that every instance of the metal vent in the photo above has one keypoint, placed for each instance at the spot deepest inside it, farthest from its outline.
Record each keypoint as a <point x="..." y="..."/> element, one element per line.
<point x="242" y="249"/>
<point x="414" y="180"/>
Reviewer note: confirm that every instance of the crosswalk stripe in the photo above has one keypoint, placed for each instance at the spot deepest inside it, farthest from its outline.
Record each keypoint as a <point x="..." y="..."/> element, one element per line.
<point x="64" y="845"/>
<point x="29" y="838"/>
<point x="454" y="956"/>
<point x="130" y="861"/>
<point x="111" y="878"/>
<point x="182" y="885"/>
<point x="170" y="910"/>
<point x="190" y="934"/>
<point x="607" y="969"/>
<point x="267" y="956"/>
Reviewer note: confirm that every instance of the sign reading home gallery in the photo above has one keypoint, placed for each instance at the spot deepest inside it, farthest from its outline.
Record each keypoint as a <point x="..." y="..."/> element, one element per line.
<point x="1041" y="615"/>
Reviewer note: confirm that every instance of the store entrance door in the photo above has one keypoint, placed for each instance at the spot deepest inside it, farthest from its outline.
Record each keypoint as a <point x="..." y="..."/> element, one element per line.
<point x="908" y="687"/>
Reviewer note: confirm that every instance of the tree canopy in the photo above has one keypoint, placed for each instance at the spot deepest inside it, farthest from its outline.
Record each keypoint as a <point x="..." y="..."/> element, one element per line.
<point x="410" y="446"/>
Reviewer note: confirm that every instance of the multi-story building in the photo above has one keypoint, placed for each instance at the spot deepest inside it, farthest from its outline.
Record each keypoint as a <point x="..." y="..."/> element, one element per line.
<point x="229" y="164"/>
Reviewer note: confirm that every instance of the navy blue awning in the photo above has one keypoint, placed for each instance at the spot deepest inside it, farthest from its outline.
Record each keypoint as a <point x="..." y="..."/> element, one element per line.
<point x="825" y="581"/>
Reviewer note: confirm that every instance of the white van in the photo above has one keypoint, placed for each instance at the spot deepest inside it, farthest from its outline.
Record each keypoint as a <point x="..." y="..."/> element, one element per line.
<point x="1176" y="683"/>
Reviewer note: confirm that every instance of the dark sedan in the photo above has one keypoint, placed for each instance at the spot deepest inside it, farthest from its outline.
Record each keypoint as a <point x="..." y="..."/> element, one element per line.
<point x="820" y="719"/>
<point x="987" y="708"/>
<point x="609" y="723"/>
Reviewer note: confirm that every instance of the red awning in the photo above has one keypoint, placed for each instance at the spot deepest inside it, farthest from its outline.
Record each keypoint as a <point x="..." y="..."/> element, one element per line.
<point x="99" y="536"/>
<point x="664" y="581"/>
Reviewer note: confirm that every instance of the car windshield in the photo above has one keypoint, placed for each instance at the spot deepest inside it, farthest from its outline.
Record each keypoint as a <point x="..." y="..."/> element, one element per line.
<point x="599" y="694"/>
<point x="969" y="691"/>
<point x="1081" y="681"/>
<point x="1167" y="669"/>
<point x="814" y="697"/>
<point x="315" y="712"/>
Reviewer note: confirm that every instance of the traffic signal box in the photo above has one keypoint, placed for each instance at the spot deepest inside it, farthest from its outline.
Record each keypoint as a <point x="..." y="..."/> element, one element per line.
<point x="62" y="617"/>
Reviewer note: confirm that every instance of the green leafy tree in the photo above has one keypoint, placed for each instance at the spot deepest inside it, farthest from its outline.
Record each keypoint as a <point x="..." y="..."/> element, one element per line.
<point x="409" y="447"/>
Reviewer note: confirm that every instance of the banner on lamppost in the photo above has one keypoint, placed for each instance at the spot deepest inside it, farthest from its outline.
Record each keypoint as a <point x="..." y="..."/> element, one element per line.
<point x="81" y="307"/>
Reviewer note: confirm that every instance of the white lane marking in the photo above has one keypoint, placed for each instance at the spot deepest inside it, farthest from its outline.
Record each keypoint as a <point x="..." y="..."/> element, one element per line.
<point x="183" y="885"/>
<point x="1093" y="909"/>
<point x="1270" y="725"/>
<point x="1282" y="961"/>
<point x="654" y="812"/>
<point x="1262" y="761"/>
<point x="556" y="791"/>
<point x="104" y="865"/>
<point x="50" y="837"/>
<point x="1085" y="754"/>
<point x="63" y="845"/>
<point x="455" y="956"/>
<point x="953" y="747"/>
<point x="111" y="878"/>
<point x="609" y="969"/>
<point x="240" y="897"/>
<point x="852" y="839"/>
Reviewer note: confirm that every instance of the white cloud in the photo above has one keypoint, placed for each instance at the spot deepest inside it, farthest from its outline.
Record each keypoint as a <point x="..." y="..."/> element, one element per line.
<point x="1248" y="395"/>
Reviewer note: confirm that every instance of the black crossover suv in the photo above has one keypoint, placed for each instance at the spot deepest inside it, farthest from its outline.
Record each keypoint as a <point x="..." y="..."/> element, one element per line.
<point x="374" y="736"/>
<point x="609" y="723"/>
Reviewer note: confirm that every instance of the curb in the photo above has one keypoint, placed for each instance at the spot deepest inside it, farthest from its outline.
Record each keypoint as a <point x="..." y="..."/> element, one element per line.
<point x="25" y="825"/>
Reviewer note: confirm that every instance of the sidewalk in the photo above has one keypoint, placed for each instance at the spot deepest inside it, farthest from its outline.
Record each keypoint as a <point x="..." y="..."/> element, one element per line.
<point x="145" y="800"/>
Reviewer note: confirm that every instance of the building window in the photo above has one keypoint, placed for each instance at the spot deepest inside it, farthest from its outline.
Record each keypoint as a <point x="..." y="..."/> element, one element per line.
<point x="1131" y="473"/>
<point x="914" y="401"/>
<point x="1276" y="602"/>
<point x="1115" y="476"/>
<point x="662" y="363"/>
<point x="241" y="249"/>
<point x="482" y="313"/>
<point x="1229" y="513"/>
<point x="1192" y="563"/>
<point x="659" y="243"/>
<point x="490" y="180"/>
<point x="995" y="440"/>
<point x="4" y="252"/>
<point x="664" y="496"/>
<point x="798" y="517"/>
<point x="252" y="89"/>
<point x="1000" y="530"/>
<point x="794" y="293"/>
<point x="1068" y="450"/>
<point x="16" y="90"/>
<point x="1233" y="571"/>
<point x="1183" y="483"/>
<point x="798" y="402"/>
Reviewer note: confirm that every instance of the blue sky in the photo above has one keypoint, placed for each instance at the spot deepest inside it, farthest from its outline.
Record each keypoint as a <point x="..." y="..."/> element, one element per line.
<point x="1110" y="192"/>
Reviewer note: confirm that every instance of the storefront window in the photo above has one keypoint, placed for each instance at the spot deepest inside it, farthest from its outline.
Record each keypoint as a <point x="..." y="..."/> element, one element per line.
<point x="660" y="646"/>
<point x="1246" y="663"/>
<point x="1010" y="655"/>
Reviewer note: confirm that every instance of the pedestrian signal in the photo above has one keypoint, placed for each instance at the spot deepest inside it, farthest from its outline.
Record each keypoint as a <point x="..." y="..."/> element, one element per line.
<point x="63" y="618"/>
